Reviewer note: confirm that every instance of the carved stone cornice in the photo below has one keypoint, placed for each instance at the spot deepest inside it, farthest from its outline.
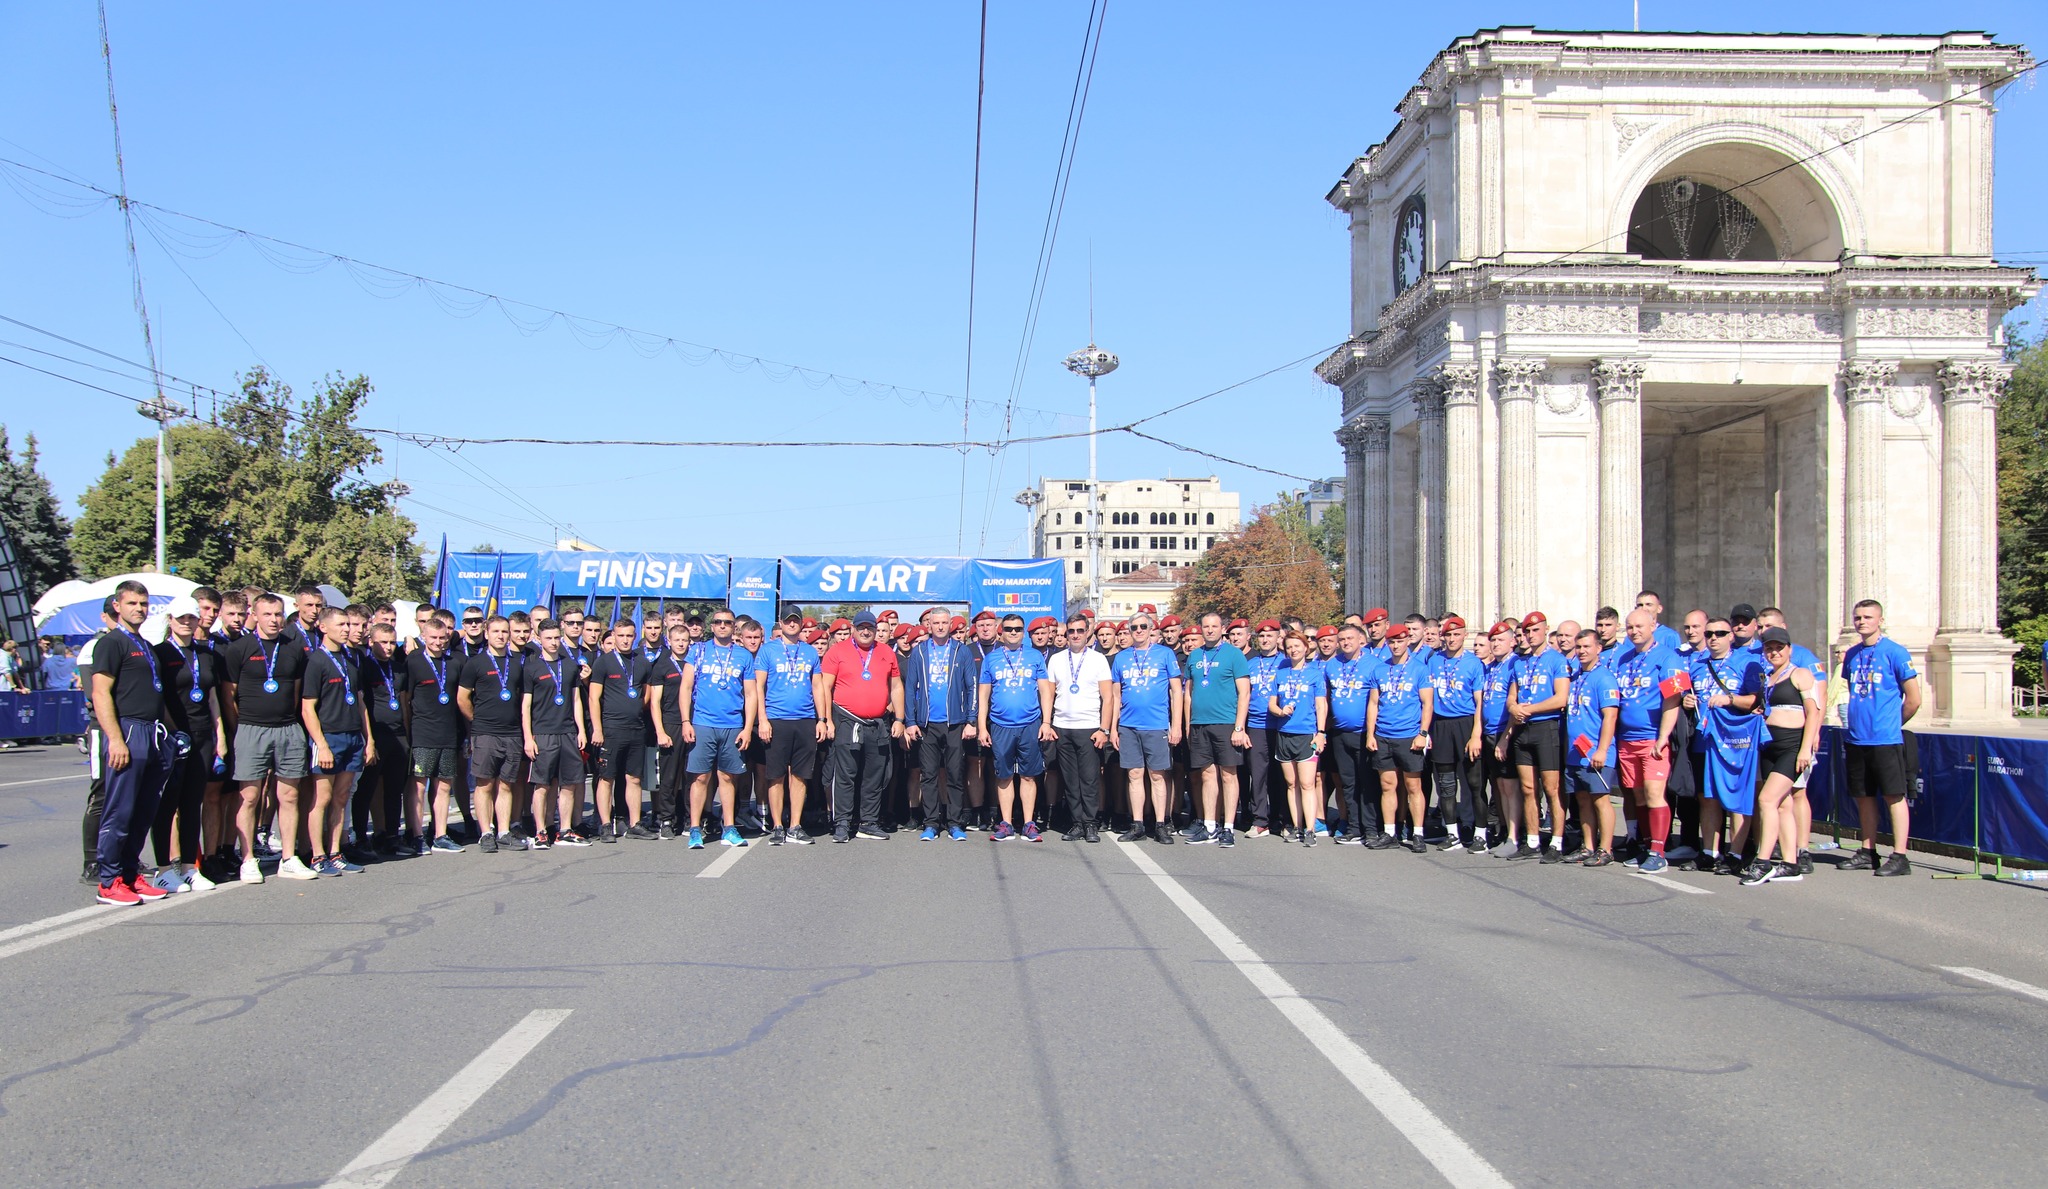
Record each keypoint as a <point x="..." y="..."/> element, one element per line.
<point x="1571" y="319"/>
<point x="1971" y="381"/>
<point x="1343" y="363"/>
<point x="1868" y="381"/>
<point x="1734" y="324"/>
<point x="1618" y="380"/>
<point x="1459" y="383"/>
<point x="1426" y="394"/>
<point x="1365" y="435"/>
<point x="1923" y="322"/>
<point x="1514" y="378"/>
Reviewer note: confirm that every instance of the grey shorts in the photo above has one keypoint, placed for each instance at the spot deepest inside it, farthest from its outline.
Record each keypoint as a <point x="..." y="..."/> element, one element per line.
<point x="496" y="757"/>
<point x="260" y="751"/>
<point x="716" y="747"/>
<point x="435" y="763"/>
<point x="1144" y="750"/>
<point x="560" y="762"/>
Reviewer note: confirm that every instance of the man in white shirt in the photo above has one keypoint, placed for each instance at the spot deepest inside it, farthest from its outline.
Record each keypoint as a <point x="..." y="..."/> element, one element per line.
<point x="1080" y="717"/>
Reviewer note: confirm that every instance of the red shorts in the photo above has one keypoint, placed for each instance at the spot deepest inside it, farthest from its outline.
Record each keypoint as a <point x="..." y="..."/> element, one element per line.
<point x="1638" y="765"/>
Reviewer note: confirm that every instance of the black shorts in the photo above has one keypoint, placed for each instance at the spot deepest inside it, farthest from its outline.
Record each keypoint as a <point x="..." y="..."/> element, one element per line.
<point x="1876" y="769"/>
<point x="622" y="757"/>
<point x="792" y="749"/>
<point x="1448" y="738"/>
<point x="560" y="761"/>
<point x="1781" y="751"/>
<point x="1294" y="748"/>
<point x="496" y="757"/>
<point x="1395" y="755"/>
<point x="435" y="763"/>
<point x="1538" y="745"/>
<point x="1494" y="767"/>
<point x="1209" y="743"/>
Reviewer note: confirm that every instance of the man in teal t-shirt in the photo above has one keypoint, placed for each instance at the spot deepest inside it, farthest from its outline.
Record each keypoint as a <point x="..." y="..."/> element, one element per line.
<point x="1219" y="682"/>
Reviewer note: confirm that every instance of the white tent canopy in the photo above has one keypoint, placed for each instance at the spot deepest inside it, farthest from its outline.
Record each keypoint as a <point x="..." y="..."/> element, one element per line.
<point x="72" y="591"/>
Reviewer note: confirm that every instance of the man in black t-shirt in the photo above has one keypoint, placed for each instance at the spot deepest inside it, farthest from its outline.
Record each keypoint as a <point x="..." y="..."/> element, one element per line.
<point x="96" y="789"/>
<point x="338" y="729"/>
<point x="552" y="716"/>
<point x="381" y="791"/>
<point x="618" y="716"/>
<point x="191" y="676"/>
<point x="489" y="698"/>
<point x="432" y="675"/>
<point x="128" y="705"/>
<point x="260" y="691"/>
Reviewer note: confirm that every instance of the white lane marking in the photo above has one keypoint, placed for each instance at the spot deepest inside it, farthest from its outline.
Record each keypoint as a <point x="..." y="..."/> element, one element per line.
<point x="388" y="1155"/>
<point x="2000" y="981"/>
<point x="1439" y="1145"/>
<point x="733" y="854"/>
<point x="1673" y="884"/>
<point x="15" y="784"/>
<point x="49" y="930"/>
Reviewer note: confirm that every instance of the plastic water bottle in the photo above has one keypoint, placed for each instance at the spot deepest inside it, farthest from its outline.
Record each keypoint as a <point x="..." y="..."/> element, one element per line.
<point x="1826" y="844"/>
<point x="2028" y="876"/>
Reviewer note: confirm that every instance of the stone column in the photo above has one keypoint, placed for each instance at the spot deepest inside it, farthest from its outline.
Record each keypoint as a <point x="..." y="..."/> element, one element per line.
<point x="1428" y="396"/>
<point x="1463" y="571"/>
<point x="1620" y="386"/>
<point x="1515" y="390"/>
<point x="1970" y="662"/>
<point x="1364" y="439"/>
<point x="1866" y="385"/>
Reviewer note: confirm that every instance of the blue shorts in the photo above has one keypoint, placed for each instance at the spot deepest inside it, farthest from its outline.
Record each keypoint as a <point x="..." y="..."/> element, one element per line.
<point x="1140" y="750"/>
<point x="1016" y="750"/>
<point x="716" y="746"/>
<point x="1730" y="769"/>
<point x="1589" y="782"/>
<point x="347" y="747"/>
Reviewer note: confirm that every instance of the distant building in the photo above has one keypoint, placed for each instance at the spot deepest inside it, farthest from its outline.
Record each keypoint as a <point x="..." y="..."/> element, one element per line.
<point x="1321" y="496"/>
<point x="1145" y="522"/>
<point x="1123" y="595"/>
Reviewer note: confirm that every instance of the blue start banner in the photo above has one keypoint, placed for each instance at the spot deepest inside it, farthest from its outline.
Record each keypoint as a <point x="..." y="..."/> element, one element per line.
<point x="1026" y="588"/>
<point x="875" y="579"/>
<point x="752" y="591"/>
<point x="637" y="575"/>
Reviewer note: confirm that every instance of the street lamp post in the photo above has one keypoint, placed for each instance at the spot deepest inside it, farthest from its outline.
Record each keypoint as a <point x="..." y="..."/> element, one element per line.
<point x="1030" y="498"/>
<point x="162" y="410"/>
<point x="1094" y="363"/>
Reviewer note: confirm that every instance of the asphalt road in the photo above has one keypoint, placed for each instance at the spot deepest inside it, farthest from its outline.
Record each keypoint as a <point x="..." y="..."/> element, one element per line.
<point x="971" y="1013"/>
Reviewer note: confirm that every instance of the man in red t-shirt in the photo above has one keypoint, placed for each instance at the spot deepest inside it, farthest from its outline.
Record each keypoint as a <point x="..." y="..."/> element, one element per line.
<point x="862" y="682"/>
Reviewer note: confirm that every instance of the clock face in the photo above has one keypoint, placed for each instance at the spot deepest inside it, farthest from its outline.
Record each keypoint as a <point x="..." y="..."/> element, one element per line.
<point x="1410" y="245"/>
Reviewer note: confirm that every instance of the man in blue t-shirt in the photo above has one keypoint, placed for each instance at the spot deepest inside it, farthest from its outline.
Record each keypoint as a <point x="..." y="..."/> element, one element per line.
<point x="1397" y="722"/>
<point x="1651" y="601"/>
<point x="1884" y="695"/>
<point x="1219" y="706"/>
<point x="1536" y="704"/>
<point x="1589" y="752"/>
<point x="1651" y="678"/>
<point x="1262" y="670"/>
<point x="1348" y="678"/>
<point x="788" y="688"/>
<point x="1015" y="717"/>
<point x="1726" y="683"/>
<point x="718" y="718"/>
<point x="1457" y="679"/>
<point x="1498" y="771"/>
<point x="1148" y="718"/>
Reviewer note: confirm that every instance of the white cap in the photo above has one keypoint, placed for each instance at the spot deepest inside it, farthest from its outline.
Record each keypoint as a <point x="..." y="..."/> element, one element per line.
<point x="182" y="606"/>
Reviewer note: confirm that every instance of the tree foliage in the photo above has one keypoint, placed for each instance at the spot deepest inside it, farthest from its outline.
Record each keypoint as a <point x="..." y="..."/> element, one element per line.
<point x="273" y="494"/>
<point x="1273" y="567"/>
<point x="32" y="517"/>
<point x="2023" y="488"/>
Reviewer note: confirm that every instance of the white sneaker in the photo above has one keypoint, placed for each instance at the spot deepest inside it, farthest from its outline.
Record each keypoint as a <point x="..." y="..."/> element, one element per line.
<point x="171" y="877"/>
<point x="197" y="882"/>
<point x="295" y="868"/>
<point x="252" y="871"/>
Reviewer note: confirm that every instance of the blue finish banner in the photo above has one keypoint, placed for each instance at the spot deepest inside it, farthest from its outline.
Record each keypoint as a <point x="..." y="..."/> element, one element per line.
<point x="1026" y="588"/>
<point x="752" y="589"/>
<point x="637" y="575"/>
<point x="1944" y="799"/>
<point x="2016" y="797"/>
<point x="875" y="579"/>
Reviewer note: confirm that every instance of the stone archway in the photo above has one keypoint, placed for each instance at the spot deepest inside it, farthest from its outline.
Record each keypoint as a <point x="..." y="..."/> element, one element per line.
<point x="1743" y="177"/>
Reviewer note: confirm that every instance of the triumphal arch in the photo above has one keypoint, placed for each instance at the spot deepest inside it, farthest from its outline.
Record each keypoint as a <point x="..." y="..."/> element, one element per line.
<point x="1713" y="314"/>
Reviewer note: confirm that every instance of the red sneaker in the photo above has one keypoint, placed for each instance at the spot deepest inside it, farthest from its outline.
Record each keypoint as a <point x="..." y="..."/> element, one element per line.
<point x="117" y="892"/>
<point x="145" y="890"/>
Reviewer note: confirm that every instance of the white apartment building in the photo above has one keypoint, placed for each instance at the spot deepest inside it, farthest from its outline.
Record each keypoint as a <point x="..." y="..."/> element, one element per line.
<point x="1162" y="522"/>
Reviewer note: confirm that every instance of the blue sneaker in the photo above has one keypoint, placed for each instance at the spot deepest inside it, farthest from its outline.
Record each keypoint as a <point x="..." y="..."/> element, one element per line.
<point x="696" y="838"/>
<point x="1653" y="863"/>
<point x="732" y="837"/>
<point x="930" y="834"/>
<point x="959" y="834"/>
<point x="1002" y="832"/>
<point x="1322" y="828"/>
<point x="445" y="845"/>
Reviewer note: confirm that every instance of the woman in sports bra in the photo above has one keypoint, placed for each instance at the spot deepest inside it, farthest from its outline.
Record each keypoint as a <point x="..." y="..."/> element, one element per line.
<point x="1792" y="713"/>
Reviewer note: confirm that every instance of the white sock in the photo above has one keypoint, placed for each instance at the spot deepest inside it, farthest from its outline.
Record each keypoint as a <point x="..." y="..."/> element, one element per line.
<point x="1535" y="841"/>
<point x="1479" y="836"/>
<point x="1387" y="830"/>
<point x="1557" y="842"/>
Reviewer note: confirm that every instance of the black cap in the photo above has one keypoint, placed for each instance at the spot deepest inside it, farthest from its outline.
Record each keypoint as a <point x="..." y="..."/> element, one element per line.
<point x="792" y="614"/>
<point x="1771" y="636"/>
<point x="1743" y="613"/>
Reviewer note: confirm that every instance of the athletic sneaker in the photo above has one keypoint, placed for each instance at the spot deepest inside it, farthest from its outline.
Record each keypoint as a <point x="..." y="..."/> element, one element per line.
<point x="169" y="879"/>
<point x="664" y="833"/>
<point x="640" y="831"/>
<point x="1349" y="839"/>
<point x="1524" y="851"/>
<point x="841" y="834"/>
<point x="1599" y="858"/>
<point x="1787" y="873"/>
<point x="1308" y="837"/>
<point x="1257" y="832"/>
<point x="1379" y="841"/>
<point x="444" y="845"/>
<point x="251" y="872"/>
<point x="1451" y="844"/>
<point x="1896" y="864"/>
<point x="1805" y="863"/>
<point x="146" y="890"/>
<point x="696" y="838"/>
<point x="197" y="882"/>
<point x="1226" y="837"/>
<point x="488" y="844"/>
<point x="540" y="841"/>
<point x="1727" y="864"/>
<point x="1653" y="863"/>
<point x="1551" y="855"/>
<point x="1578" y="856"/>
<point x="1030" y="832"/>
<point x="1759" y="872"/>
<point x="957" y="833"/>
<point x="1417" y="845"/>
<point x="571" y="838"/>
<point x="293" y="868"/>
<point x="1862" y="860"/>
<point x="1137" y="833"/>
<point x="1197" y="834"/>
<point x="874" y="832"/>
<point x="797" y="835"/>
<point x="1322" y="827"/>
<point x="929" y="834"/>
<point x="117" y="892"/>
<point x="1163" y="834"/>
<point x="1002" y="833"/>
<point x="731" y="837"/>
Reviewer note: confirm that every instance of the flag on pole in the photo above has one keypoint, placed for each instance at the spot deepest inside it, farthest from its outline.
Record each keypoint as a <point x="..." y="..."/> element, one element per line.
<point x="441" y="574"/>
<point x="497" y="586"/>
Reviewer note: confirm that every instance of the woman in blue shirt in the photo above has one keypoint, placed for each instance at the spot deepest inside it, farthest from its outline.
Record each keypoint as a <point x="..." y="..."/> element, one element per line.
<point x="1300" y="710"/>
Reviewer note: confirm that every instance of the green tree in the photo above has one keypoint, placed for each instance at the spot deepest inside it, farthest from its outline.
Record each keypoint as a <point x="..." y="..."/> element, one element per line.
<point x="2023" y="487"/>
<point x="1271" y="568"/>
<point x="116" y="533"/>
<point x="32" y="519"/>
<point x="1328" y="538"/>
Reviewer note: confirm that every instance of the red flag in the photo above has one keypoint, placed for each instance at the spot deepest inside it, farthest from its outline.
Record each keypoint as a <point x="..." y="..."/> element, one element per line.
<point x="1584" y="744"/>
<point x="1677" y="683"/>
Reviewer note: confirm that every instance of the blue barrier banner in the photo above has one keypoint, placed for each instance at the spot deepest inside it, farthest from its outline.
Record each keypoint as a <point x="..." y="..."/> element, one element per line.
<point x="875" y="579"/>
<point x="637" y="575"/>
<point x="1945" y="801"/>
<point x="752" y="589"/>
<point x="1026" y="588"/>
<point x="519" y="582"/>
<point x="2015" y="797"/>
<point x="470" y="576"/>
<point x="34" y="714"/>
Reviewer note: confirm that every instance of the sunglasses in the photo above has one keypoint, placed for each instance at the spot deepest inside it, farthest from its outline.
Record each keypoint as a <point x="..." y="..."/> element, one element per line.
<point x="1077" y="631"/>
<point x="722" y="623"/>
<point x="1716" y="635"/>
<point x="1015" y="627"/>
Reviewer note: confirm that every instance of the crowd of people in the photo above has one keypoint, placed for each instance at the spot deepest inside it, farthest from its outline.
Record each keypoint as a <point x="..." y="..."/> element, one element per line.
<point x="310" y="742"/>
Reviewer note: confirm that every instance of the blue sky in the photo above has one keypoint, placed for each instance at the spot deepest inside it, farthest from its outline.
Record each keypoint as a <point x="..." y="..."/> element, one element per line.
<point x="786" y="181"/>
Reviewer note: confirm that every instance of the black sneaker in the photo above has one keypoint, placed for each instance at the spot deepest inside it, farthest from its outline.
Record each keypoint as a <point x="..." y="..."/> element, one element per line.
<point x="1524" y="851"/>
<point x="664" y="833"/>
<point x="1226" y="837"/>
<point x="1163" y="834"/>
<point x="875" y="832"/>
<point x="640" y="831"/>
<point x="842" y="834"/>
<point x="797" y="836"/>
<point x="1137" y="833"/>
<point x="1551" y="855"/>
<point x="1345" y="838"/>
<point x="488" y="844"/>
<point x="1075" y="835"/>
<point x="1786" y="873"/>
<point x="1863" y="860"/>
<point x="775" y="837"/>
<point x="1805" y="862"/>
<point x="1578" y="856"/>
<point x="1599" y="858"/>
<point x="1416" y="844"/>
<point x="1727" y="864"/>
<point x="1759" y="872"/>
<point x="1706" y="863"/>
<point x="606" y="835"/>
<point x="1896" y="864"/>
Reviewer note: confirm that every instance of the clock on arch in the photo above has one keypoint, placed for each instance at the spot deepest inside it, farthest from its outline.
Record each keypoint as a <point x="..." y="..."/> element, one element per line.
<point x="1411" y="243"/>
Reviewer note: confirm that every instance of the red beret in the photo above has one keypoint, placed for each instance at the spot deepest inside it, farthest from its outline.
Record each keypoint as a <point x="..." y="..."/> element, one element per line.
<point x="1171" y="621"/>
<point x="888" y="615"/>
<point x="959" y="621"/>
<point x="985" y="615"/>
<point x="1044" y="621"/>
<point x="809" y="622"/>
<point x="841" y="625"/>
<point x="1087" y="614"/>
<point x="1325" y="630"/>
<point x="1147" y="609"/>
<point x="1239" y="623"/>
<point x="1451" y="621"/>
<point x="1377" y="615"/>
<point x="1505" y="625"/>
<point x="902" y="630"/>
<point x="1265" y="625"/>
<point x="1534" y="619"/>
<point x="1398" y="632"/>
